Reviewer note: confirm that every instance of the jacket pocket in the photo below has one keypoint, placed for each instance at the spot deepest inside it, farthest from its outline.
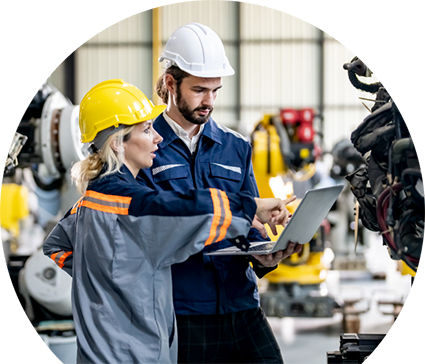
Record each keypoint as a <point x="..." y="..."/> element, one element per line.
<point x="170" y="171"/>
<point x="234" y="173"/>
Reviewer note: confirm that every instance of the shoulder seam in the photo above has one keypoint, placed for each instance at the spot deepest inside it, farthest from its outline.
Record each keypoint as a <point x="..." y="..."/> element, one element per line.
<point x="225" y="129"/>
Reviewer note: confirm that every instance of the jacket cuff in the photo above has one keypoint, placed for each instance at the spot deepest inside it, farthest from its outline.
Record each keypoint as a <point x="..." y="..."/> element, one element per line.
<point x="249" y="206"/>
<point x="259" y="269"/>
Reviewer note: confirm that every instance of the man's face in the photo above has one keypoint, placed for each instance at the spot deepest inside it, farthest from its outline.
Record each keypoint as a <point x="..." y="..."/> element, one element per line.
<point x="196" y="96"/>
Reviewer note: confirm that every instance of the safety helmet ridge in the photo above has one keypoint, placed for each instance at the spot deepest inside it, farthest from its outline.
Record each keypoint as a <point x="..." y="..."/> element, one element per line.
<point x="113" y="103"/>
<point x="197" y="50"/>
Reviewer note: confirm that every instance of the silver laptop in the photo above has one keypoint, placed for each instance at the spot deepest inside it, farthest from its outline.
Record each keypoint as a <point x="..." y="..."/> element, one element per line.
<point x="302" y="226"/>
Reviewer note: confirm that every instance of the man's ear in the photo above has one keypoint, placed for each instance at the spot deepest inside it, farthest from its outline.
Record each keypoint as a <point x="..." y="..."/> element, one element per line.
<point x="170" y="83"/>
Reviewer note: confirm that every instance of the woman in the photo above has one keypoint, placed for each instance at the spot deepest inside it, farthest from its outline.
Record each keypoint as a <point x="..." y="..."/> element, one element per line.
<point x="120" y="239"/>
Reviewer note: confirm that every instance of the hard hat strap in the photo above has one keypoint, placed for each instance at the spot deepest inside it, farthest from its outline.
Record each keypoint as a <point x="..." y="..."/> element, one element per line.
<point x="102" y="136"/>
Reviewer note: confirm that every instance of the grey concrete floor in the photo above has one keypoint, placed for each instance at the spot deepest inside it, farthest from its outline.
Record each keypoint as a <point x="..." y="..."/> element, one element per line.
<point x="306" y="340"/>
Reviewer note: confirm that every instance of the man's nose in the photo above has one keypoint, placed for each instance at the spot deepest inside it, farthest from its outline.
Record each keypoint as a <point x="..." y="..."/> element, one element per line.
<point x="208" y="99"/>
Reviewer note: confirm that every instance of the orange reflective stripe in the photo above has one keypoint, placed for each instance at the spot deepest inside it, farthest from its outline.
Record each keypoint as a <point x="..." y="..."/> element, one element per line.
<point x="227" y="216"/>
<point x="76" y="205"/>
<point x="53" y="256"/>
<point x="61" y="261"/>
<point x="216" y="218"/>
<point x="110" y="209"/>
<point x="108" y="198"/>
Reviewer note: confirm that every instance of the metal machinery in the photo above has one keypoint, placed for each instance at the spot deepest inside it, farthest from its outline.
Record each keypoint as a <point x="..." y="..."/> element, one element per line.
<point x="36" y="191"/>
<point x="350" y="258"/>
<point x="284" y="156"/>
<point x="389" y="195"/>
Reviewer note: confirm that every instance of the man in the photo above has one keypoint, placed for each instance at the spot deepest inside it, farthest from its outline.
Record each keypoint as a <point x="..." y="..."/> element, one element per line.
<point x="215" y="297"/>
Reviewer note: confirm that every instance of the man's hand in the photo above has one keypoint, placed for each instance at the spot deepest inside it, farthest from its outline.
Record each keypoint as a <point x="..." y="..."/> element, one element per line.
<point x="273" y="212"/>
<point x="257" y="224"/>
<point x="270" y="260"/>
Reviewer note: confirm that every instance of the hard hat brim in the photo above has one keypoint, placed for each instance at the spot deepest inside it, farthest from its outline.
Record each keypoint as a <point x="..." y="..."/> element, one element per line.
<point x="136" y="119"/>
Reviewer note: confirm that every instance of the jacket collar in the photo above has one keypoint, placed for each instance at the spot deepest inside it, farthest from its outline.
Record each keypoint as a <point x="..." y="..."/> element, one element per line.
<point x="123" y="174"/>
<point x="161" y="126"/>
<point x="126" y="174"/>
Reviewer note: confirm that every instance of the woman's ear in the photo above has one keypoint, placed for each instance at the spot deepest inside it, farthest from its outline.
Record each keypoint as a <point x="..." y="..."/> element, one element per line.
<point x="116" y="147"/>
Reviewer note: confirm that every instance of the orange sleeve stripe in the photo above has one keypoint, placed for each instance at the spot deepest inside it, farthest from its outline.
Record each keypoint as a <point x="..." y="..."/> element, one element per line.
<point x="53" y="256"/>
<point x="216" y="218"/>
<point x="76" y="205"/>
<point x="108" y="198"/>
<point x="110" y="209"/>
<point x="61" y="261"/>
<point x="227" y="216"/>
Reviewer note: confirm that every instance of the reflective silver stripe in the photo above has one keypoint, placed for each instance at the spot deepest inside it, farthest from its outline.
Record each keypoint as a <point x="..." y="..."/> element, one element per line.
<point x="230" y="131"/>
<point x="165" y="167"/>
<point x="230" y="168"/>
<point x="58" y="256"/>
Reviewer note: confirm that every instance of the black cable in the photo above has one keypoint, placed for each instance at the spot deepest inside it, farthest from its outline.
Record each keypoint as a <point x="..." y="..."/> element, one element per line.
<point x="372" y="88"/>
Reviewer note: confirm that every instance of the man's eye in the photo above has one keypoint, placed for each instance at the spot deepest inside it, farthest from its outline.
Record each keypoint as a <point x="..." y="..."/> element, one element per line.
<point x="147" y="130"/>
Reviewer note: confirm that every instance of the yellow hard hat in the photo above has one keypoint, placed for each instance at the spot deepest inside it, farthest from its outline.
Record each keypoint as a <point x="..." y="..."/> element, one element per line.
<point x="111" y="103"/>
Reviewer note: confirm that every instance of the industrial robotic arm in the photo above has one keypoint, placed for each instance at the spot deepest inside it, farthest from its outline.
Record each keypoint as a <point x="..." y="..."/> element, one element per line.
<point x="51" y="126"/>
<point x="47" y="143"/>
<point x="389" y="188"/>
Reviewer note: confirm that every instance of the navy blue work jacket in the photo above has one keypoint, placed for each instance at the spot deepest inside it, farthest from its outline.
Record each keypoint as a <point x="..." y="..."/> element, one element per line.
<point x="204" y="285"/>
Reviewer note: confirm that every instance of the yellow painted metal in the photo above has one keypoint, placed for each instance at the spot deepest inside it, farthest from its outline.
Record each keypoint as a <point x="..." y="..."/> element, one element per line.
<point x="14" y="206"/>
<point x="267" y="159"/>
<point x="156" y="50"/>
<point x="268" y="162"/>
<point x="312" y="272"/>
<point x="405" y="269"/>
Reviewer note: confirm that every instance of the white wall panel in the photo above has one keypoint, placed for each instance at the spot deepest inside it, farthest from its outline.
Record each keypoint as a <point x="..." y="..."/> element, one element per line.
<point x="57" y="78"/>
<point x="279" y="75"/>
<point x="123" y="50"/>
<point x="137" y="28"/>
<point x="133" y="64"/>
<point x="218" y="15"/>
<point x="260" y="22"/>
<point x="343" y="108"/>
<point x="280" y="63"/>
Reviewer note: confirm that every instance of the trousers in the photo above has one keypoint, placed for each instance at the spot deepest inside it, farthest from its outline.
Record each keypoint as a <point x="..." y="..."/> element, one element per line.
<point x="238" y="337"/>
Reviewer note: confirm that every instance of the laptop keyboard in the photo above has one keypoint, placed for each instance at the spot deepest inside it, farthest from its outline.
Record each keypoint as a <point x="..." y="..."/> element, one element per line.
<point x="261" y="247"/>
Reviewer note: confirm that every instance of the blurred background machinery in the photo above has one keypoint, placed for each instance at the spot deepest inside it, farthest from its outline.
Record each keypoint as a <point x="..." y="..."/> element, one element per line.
<point x="388" y="189"/>
<point x="349" y="257"/>
<point x="36" y="191"/>
<point x="285" y="150"/>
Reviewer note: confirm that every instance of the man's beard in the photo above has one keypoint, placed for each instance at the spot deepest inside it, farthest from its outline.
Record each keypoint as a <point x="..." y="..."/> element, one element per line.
<point x="189" y="114"/>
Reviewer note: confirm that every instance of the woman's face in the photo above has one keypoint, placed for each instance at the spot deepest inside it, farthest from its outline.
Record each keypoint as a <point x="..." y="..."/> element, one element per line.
<point x="139" y="149"/>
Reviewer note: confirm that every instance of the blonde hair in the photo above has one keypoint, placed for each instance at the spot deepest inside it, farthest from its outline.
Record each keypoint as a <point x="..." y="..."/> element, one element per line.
<point x="84" y="171"/>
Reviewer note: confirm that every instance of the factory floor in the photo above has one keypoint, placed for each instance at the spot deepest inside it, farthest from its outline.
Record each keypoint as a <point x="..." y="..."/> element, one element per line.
<point x="306" y="340"/>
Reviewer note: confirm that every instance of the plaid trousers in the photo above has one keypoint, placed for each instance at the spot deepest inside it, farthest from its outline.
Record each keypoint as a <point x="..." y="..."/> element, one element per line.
<point x="239" y="337"/>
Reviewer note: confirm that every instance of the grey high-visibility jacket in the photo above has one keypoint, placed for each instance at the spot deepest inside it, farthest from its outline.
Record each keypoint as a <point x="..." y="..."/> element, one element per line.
<point x="118" y="243"/>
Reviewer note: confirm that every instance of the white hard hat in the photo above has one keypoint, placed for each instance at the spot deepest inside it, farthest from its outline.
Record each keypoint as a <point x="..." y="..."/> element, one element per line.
<point x="197" y="50"/>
